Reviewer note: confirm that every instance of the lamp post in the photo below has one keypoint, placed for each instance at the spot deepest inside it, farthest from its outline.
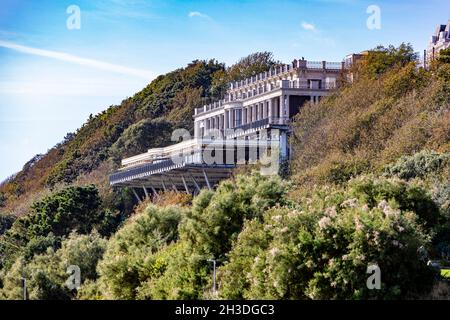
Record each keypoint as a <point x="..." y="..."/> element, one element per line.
<point x="24" y="287"/>
<point x="214" y="273"/>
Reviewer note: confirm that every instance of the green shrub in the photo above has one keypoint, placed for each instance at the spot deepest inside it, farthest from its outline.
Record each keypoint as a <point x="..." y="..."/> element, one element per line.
<point x="217" y="217"/>
<point x="6" y="222"/>
<point x="139" y="137"/>
<point x="128" y="260"/>
<point x="45" y="268"/>
<point x="2" y="199"/>
<point x="178" y="273"/>
<point x="84" y="251"/>
<point x="73" y="208"/>
<point x="322" y="250"/>
<point x="418" y="165"/>
<point x="45" y="280"/>
<point x="406" y="197"/>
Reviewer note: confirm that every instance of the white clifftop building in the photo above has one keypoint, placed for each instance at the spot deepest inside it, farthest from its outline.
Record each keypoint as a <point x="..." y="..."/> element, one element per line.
<point x="252" y="119"/>
<point x="440" y="40"/>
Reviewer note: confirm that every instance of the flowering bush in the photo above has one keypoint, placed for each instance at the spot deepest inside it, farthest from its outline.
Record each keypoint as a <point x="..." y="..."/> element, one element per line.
<point x="322" y="248"/>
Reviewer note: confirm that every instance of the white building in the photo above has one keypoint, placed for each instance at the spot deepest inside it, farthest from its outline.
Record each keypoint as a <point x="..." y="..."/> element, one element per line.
<point x="252" y="120"/>
<point x="439" y="41"/>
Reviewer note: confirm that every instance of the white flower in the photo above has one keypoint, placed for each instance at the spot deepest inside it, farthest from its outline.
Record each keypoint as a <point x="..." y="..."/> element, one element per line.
<point x="324" y="222"/>
<point x="349" y="203"/>
<point x="387" y="210"/>
<point x="358" y="225"/>
<point x="331" y="212"/>
<point x="284" y="230"/>
<point x="274" y="251"/>
<point x="276" y="218"/>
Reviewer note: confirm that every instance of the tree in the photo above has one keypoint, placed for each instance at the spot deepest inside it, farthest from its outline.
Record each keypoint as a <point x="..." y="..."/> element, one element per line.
<point x="2" y="199"/>
<point x="217" y="217"/>
<point x="251" y="65"/>
<point x="46" y="272"/>
<point x="444" y="56"/>
<point x="381" y="59"/>
<point x="139" y="137"/>
<point x="6" y="222"/>
<point x="73" y="208"/>
<point x="130" y="258"/>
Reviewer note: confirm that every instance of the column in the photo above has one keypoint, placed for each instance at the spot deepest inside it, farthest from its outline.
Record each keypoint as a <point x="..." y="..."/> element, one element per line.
<point x="286" y="107"/>
<point x="280" y="107"/>
<point x="232" y="117"/>
<point x="227" y="123"/>
<point x="270" y="115"/>
<point x="283" y="145"/>
<point x="196" y="128"/>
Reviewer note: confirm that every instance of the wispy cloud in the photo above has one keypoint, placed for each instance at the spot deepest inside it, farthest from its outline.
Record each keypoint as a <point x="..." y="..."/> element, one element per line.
<point x="198" y="14"/>
<point x="78" y="60"/>
<point x="117" y="9"/>
<point x="308" y="26"/>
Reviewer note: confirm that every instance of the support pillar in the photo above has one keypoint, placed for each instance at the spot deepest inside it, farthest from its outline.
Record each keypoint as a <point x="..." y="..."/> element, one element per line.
<point x="136" y="195"/>
<point x="155" y="194"/>
<point x="195" y="183"/>
<point x="145" y="191"/>
<point x="206" y="179"/>
<point x="185" y="184"/>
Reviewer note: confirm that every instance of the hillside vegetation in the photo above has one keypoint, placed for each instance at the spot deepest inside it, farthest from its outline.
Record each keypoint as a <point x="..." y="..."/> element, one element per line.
<point x="369" y="185"/>
<point x="392" y="109"/>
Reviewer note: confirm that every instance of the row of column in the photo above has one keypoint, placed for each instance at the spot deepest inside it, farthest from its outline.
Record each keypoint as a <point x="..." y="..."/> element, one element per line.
<point x="216" y="122"/>
<point x="271" y="108"/>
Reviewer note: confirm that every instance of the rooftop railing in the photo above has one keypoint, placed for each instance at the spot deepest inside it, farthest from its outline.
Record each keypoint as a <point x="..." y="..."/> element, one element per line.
<point x="296" y="84"/>
<point x="311" y="65"/>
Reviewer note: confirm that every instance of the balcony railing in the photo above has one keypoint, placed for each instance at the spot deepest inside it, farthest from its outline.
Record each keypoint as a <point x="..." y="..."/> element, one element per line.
<point x="286" y="84"/>
<point x="253" y="125"/>
<point x="261" y="123"/>
<point x="140" y="171"/>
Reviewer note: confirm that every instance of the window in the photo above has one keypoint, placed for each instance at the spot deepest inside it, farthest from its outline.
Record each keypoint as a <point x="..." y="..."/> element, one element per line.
<point x="238" y="118"/>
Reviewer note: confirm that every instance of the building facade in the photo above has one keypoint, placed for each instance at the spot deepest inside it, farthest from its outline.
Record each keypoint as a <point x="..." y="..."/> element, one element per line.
<point x="250" y="124"/>
<point x="440" y="40"/>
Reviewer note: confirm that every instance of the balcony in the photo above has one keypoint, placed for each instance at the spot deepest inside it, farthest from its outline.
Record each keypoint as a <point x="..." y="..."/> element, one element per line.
<point x="284" y="84"/>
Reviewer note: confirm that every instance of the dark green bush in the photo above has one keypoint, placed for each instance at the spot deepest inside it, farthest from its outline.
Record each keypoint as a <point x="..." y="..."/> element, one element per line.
<point x="418" y="165"/>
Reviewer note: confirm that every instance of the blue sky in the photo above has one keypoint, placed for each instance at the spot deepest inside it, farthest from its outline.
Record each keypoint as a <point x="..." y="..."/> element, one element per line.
<point x="52" y="78"/>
